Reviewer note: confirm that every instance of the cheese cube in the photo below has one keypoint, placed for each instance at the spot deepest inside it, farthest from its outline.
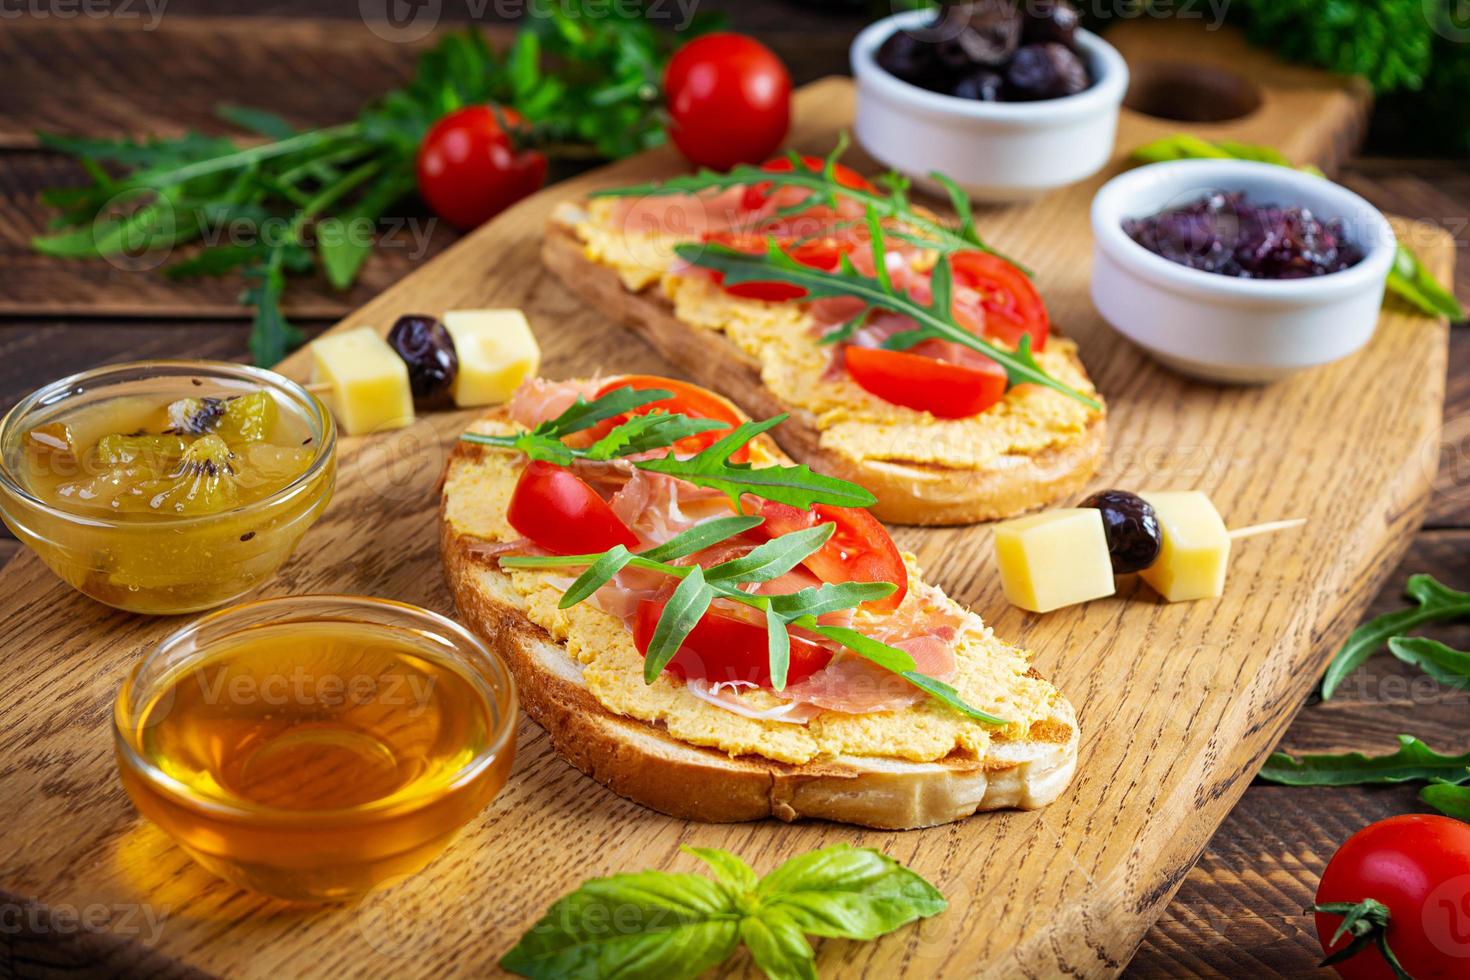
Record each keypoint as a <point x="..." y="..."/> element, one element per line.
<point x="369" y="381"/>
<point x="1191" y="564"/>
<point x="496" y="352"/>
<point x="1054" y="559"/>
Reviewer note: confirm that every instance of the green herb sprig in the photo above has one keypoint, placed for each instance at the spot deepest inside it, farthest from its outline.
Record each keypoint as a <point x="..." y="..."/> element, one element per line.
<point x="1434" y="603"/>
<point x="699" y="587"/>
<point x="1408" y="279"/>
<point x="1413" y="762"/>
<point x="933" y="322"/>
<point x="796" y="486"/>
<point x="677" y="926"/>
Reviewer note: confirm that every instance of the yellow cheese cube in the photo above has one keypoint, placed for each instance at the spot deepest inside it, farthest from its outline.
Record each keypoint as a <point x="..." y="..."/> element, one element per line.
<point x="369" y="381"/>
<point x="1054" y="559"/>
<point x="496" y="351"/>
<point x="1191" y="564"/>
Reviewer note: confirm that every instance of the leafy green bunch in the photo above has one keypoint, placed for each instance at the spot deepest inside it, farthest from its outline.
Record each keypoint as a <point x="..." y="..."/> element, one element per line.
<point x="887" y="214"/>
<point x="677" y="926"/>
<point x="1447" y="775"/>
<point x="307" y="200"/>
<point x="634" y="440"/>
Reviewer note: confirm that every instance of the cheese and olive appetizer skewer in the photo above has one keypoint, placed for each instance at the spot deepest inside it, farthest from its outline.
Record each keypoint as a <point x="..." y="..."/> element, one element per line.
<point x="472" y="357"/>
<point x="1175" y="540"/>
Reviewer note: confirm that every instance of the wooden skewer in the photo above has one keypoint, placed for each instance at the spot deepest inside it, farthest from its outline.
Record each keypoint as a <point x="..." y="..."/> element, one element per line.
<point x="319" y="387"/>
<point x="1268" y="528"/>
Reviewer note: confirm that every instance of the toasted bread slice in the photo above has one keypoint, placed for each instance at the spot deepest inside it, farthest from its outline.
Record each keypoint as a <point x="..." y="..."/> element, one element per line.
<point x="673" y="759"/>
<point x="922" y="470"/>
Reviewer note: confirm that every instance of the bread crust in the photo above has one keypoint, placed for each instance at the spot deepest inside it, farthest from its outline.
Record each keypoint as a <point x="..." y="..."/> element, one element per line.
<point x="642" y="762"/>
<point x="908" y="493"/>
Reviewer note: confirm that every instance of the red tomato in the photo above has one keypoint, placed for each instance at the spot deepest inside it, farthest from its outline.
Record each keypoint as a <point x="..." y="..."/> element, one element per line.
<point x="724" y="647"/>
<point x="757" y="194"/>
<point x="690" y="400"/>
<point x="1419" y="866"/>
<point x="819" y="253"/>
<point x="860" y="549"/>
<point x="729" y="100"/>
<point x="468" y="169"/>
<point x="943" y="389"/>
<point x="557" y="510"/>
<point x="1009" y="305"/>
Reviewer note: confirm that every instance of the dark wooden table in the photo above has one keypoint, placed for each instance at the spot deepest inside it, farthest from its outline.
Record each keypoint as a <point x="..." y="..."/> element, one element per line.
<point x="1238" y="912"/>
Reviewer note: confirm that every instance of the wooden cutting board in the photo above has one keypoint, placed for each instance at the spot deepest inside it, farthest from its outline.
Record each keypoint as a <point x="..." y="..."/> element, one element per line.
<point x="1178" y="703"/>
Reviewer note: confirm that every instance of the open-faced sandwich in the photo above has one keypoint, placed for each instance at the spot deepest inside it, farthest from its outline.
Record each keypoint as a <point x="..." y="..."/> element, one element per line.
<point x="911" y="359"/>
<point x="722" y="635"/>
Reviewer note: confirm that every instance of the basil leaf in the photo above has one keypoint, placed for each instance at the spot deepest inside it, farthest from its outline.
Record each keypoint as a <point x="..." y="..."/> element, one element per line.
<point x="1411" y="281"/>
<point x="648" y="924"/>
<point x="1436" y="603"/>
<point x="848" y="892"/>
<point x="1448" y="666"/>
<point x="1451" y="799"/>
<point x="728" y="868"/>
<point x="774" y="558"/>
<point x="1413" y="761"/>
<point x="688" y="603"/>
<point x="598" y="574"/>
<point x="778" y="647"/>
<point x="777" y="946"/>
<point x="701" y="536"/>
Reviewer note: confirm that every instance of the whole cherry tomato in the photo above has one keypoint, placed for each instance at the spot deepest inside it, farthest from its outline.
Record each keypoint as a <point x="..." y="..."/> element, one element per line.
<point x="469" y="170"/>
<point x="1417" y="867"/>
<point x="729" y="100"/>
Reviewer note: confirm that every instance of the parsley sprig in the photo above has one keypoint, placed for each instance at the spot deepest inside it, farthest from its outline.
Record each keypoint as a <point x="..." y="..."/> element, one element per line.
<point x="796" y="486"/>
<point x="699" y="587"/>
<point x="933" y="322"/>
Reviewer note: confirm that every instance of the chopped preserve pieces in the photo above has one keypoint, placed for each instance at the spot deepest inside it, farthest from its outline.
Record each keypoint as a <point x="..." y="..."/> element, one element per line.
<point x="1225" y="234"/>
<point x="992" y="51"/>
<point x="138" y="458"/>
<point x="497" y="351"/>
<point x="732" y="575"/>
<point x="1175" y="540"/>
<point x="368" y="384"/>
<point x="1054" y="559"/>
<point x="1196" y="547"/>
<point x="475" y="357"/>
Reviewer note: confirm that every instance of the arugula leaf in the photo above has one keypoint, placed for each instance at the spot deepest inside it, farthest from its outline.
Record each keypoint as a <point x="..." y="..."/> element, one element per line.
<point x="258" y="121"/>
<point x="778" y="648"/>
<point x="701" y="536"/>
<point x="848" y="892"/>
<point x="1449" y="798"/>
<point x="584" y="414"/>
<point x="829" y="597"/>
<point x="1436" y="603"/>
<point x="1450" y="667"/>
<point x="934" y="322"/>
<point x="663" y="924"/>
<point x="596" y="576"/>
<point x="1413" y="761"/>
<point x="689" y="602"/>
<point x="651" y="431"/>
<point x="650" y="924"/>
<point x="771" y="559"/>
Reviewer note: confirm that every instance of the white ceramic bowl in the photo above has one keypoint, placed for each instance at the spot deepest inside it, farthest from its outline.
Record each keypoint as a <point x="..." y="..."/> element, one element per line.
<point x="1221" y="327"/>
<point x="995" y="151"/>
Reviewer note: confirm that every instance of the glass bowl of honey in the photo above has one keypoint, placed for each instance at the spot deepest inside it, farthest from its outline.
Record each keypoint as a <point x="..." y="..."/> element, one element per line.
<point x="312" y="747"/>
<point x="166" y="486"/>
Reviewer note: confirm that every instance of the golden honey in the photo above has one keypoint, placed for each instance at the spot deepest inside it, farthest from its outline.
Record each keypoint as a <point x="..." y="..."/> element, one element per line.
<point x="166" y="487"/>
<point x="312" y="758"/>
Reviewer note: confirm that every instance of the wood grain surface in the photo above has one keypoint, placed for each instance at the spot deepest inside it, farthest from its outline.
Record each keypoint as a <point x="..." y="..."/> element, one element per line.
<point x="1178" y="703"/>
<point x="1238" y="910"/>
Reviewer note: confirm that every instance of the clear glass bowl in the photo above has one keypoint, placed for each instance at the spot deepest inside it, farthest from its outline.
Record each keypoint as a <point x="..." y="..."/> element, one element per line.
<point x="311" y="747"/>
<point x="166" y="564"/>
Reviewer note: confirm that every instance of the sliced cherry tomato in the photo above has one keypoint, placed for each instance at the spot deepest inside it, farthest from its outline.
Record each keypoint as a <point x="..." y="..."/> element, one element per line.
<point x="943" y="389"/>
<point x="729" y="100"/>
<point x="1418" y="866"/>
<point x="556" y="509"/>
<point x="860" y="549"/>
<point x="724" y="647"/>
<point x="1009" y="307"/>
<point x="757" y="195"/>
<point x="688" y="399"/>
<point x="818" y="253"/>
<point x="469" y="170"/>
